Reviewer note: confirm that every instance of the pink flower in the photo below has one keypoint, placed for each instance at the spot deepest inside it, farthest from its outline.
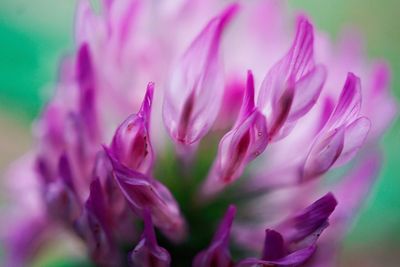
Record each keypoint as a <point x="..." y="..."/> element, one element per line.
<point x="102" y="163"/>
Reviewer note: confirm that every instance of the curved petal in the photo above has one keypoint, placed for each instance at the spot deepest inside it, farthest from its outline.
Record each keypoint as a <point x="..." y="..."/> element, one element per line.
<point x="217" y="254"/>
<point x="349" y="104"/>
<point x="147" y="253"/>
<point x="355" y="136"/>
<point x="195" y="91"/>
<point x="324" y="152"/>
<point x="143" y="192"/>
<point x="308" y="89"/>
<point x="131" y="142"/>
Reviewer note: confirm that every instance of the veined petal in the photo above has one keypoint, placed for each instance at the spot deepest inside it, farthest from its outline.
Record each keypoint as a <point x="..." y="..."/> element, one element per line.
<point x="308" y="89"/>
<point x="310" y="220"/>
<point x="195" y="91"/>
<point x="238" y="147"/>
<point x="349" y="104"/>
<point x="297" y="62"/>
<point x="131" y="143"/>
<point x="217" y="254"/>
<point x="294" y="76"/>
<point x="274" y="246"/>
<point x="355" y="135"/>
<point x="147" y="253"/>
<point x="324" y="152"/>
<point x="143" y="192"/>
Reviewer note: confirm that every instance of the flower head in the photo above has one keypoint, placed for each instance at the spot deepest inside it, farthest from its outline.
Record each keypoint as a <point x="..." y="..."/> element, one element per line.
<point x="106" y="173"/>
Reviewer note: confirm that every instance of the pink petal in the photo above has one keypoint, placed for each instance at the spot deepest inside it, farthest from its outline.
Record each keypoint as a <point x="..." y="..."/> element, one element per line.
<point x="131" y="142"/>
<point x="349" y="105"/>
<point x="195" y="91"/>
<point x="297" y="62"/>
<point x="323" y="154"/>
<point x="238" y="147"/>
<point x="355" y="136"/>
<point x="308" y="89"/>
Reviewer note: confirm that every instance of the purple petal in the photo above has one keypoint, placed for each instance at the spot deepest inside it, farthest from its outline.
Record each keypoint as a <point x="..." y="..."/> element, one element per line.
<point x="143" y="192"/>
<point x="217" y="254"/>
<point x="147" y="253"/>
<point x="312" y="219"/>
<point x="131" y="142"/>
<point x="274" y="246"/>
<point x="195" y="91"/>
<point x="61" y="197"/>
<point x="95" y="227"/>
<point x="294" y="259"/>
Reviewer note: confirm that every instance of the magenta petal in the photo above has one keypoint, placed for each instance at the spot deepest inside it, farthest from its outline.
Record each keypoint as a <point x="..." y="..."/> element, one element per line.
<point x="323" y="154"/>
<point x="349" y="105"/>
<point x="95" y="227"/>
<point x="147" y="253"/>
<point x="297" y="62"/>
<point x="238" y="147"/>
<point x="143" y="192"/>
<point x="217" y="254"/>
<point x="308" y="89"/>
<point x="355" y="135"/>
<point x="87" y="90"/>
<point x="294" y="76"/>
<point x="131" y="142"/>
<point x="194" y="94"/>
<point x="61" y="197"/>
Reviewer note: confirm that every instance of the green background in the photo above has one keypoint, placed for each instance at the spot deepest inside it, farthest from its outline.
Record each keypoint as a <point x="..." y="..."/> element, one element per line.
<point x="35" y="33"/>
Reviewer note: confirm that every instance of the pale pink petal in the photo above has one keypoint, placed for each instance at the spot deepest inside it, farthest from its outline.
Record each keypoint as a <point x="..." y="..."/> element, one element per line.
<point x="195" y="91"/>
<point x="355" y="135"/>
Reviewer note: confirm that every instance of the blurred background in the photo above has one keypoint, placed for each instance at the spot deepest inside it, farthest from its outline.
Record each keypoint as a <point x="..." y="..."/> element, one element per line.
<point x="34" y="34"/>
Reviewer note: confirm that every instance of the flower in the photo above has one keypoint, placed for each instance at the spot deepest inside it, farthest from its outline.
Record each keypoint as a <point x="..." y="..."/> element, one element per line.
<point x="145" y="73"/>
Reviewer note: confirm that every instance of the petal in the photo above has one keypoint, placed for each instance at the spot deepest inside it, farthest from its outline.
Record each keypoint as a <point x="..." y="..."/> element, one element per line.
<point x="279" y="88"/>
<point x="94" y="226"/>
<point x="61" y="197"/>
<point x="308" y="89"/>
<point x="274" y="246"/>
<point x="143" y="192"/>
<point x="312" y="219"/>
<point x="297" y="62"/>
<point x="195" y="91"/>
<point x="324" y="152"/>
<point x="294" y="259"/>
<point x="238" y="147"/>
<point x="147" y="253"/>
<point x="349" y="104"/>
<point x="355" y="135"/>
<point x="131" y="142"/>
<point x="217" y="254"/>
<point x="87" y="93"/>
